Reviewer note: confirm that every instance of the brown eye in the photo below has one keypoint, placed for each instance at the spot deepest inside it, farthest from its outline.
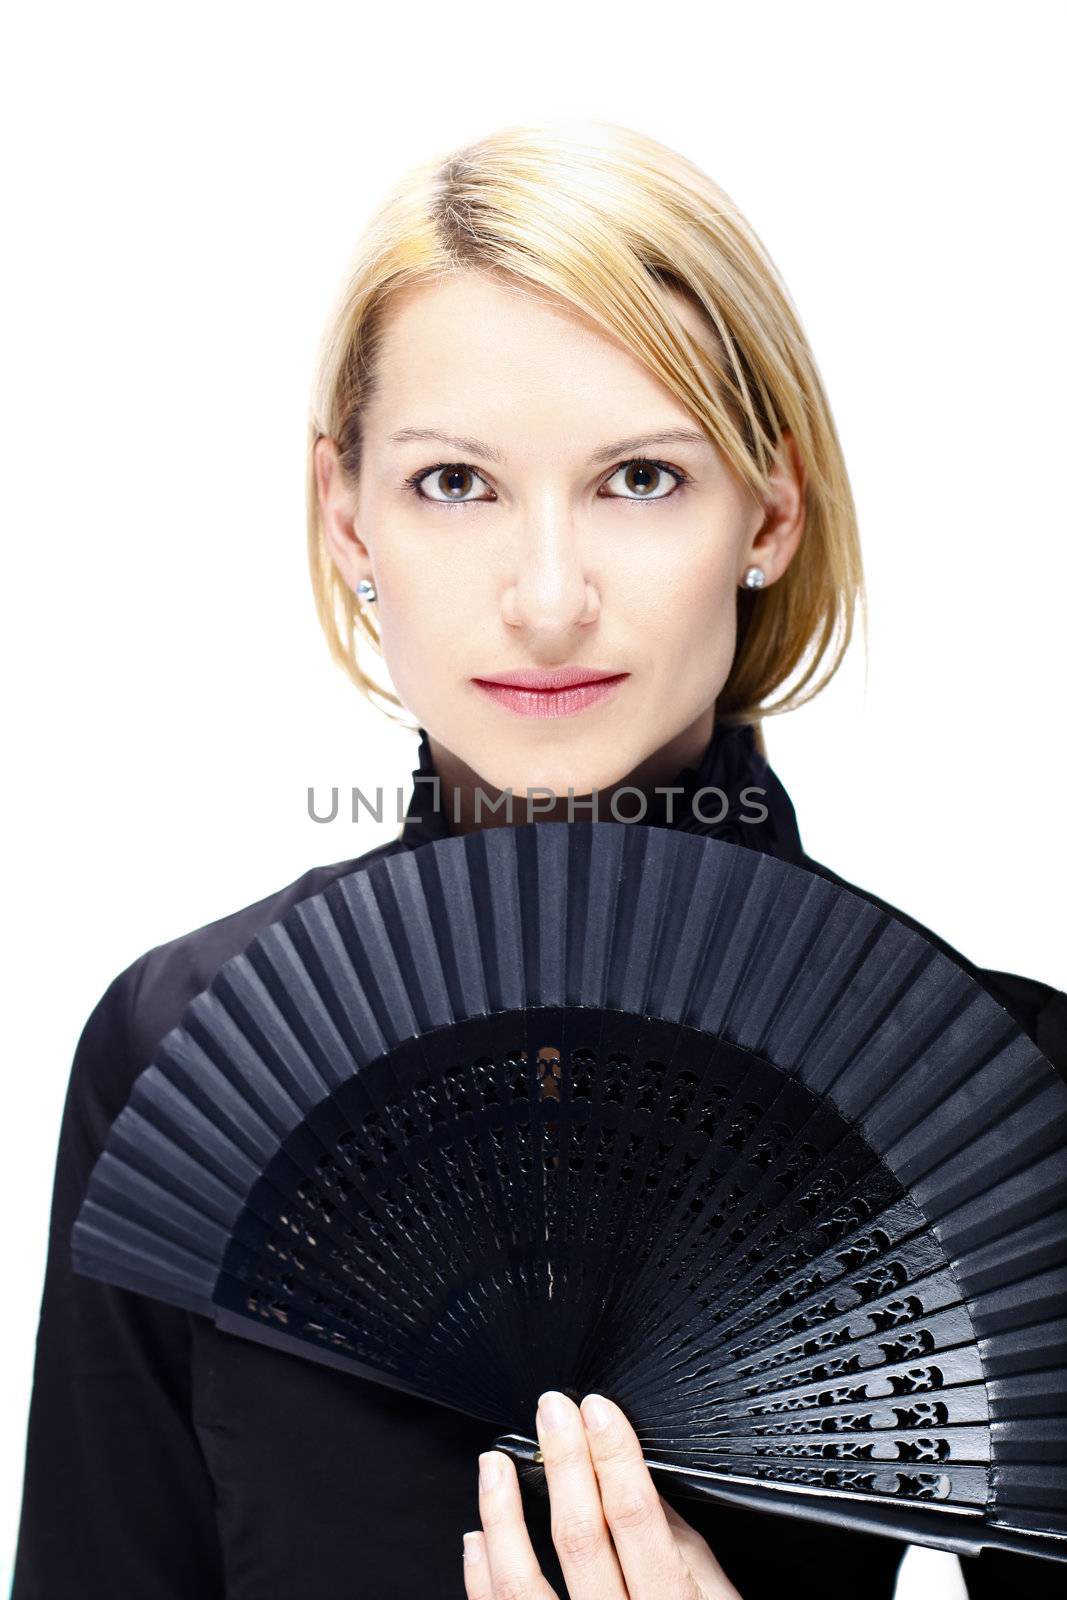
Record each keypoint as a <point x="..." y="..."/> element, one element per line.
<point x="450" y="483"/>
<point x="643" y="480"/>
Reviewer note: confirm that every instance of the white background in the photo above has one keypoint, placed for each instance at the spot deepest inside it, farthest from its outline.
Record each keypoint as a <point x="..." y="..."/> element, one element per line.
<point x="184" y="186"/>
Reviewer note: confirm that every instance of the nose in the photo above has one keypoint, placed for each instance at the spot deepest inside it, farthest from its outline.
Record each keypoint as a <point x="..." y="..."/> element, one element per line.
<point x="551" y="592"/>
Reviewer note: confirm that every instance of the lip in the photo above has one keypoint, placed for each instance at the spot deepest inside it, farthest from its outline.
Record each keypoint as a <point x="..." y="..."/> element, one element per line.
<point x="551" y="694"/>
<point x="550" y="678"/>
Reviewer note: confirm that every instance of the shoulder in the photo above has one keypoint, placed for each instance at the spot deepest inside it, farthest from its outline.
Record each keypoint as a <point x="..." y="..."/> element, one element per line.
<point x="148" y="998"/>
<point x="1038" y="1008"/>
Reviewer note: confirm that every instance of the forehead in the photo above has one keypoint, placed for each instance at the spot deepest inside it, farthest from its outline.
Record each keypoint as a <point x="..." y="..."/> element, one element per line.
<point x="469" y="339"/>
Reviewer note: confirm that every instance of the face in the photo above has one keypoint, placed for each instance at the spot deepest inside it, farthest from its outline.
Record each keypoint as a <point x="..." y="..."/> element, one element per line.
<point x="518" y="510"/>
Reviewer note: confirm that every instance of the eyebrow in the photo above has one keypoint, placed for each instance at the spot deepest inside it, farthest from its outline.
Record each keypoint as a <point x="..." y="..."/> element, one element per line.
<point x="607" y="452"/>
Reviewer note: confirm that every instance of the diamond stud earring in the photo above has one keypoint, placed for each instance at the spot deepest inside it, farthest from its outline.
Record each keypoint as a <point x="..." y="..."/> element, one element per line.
<point x="754" y="578"/>
<point x="365" y="590"/>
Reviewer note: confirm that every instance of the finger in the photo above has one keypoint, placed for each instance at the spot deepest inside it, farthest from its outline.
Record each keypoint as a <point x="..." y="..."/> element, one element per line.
<point x="579" y="1532"/>
<point x="652" y="1564"/>
<point x="476" y="1576"/>
<point x="513" y="1566"/>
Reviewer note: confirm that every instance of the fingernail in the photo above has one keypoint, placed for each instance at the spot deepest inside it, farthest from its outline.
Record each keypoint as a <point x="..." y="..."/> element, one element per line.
<point x="597" y="1412"/>
<point x="488" y="1470"/>
<point x="552" y="1411"/>
<point x="472" y="1549"/>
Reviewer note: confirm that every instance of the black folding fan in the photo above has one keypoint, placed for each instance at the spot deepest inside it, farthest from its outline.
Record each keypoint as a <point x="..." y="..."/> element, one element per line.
<point x="603" y="1107"/>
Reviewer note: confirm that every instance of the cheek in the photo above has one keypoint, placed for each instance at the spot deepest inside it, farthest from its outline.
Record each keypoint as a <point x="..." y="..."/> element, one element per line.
<point x="693" y="611"/>
<point x="425" y="614"/>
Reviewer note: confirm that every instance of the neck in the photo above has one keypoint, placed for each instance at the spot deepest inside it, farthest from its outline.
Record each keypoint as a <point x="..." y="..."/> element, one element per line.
<point x="712" y="795"/>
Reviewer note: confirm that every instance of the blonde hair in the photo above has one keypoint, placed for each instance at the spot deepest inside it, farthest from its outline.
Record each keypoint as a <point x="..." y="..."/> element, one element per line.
<point x="602" y="219"/>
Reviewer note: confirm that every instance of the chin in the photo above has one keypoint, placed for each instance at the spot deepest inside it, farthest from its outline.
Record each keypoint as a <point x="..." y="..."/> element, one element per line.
<point x="550" y="769"/>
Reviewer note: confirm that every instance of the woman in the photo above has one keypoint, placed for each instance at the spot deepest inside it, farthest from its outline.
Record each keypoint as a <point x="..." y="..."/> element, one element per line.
<point x="565" y="426"/>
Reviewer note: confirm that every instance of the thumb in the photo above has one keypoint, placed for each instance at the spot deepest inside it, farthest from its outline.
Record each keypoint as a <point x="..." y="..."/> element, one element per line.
<point x="698" y="1556"/>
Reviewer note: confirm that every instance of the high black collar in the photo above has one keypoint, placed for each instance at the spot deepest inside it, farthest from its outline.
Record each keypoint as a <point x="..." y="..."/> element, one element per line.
<point x="730" y="763"/>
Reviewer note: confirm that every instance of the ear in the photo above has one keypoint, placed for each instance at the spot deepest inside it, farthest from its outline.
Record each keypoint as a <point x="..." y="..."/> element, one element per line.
<point x="774" y="542"/>
<point x="337" y="504"/>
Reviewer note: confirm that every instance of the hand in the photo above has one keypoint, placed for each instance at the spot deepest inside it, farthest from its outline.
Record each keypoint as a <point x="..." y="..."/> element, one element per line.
<point x="616" y="1537"/>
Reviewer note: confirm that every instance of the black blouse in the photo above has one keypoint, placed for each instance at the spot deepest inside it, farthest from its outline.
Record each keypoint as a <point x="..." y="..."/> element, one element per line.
<point x="168" y="1461"/>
